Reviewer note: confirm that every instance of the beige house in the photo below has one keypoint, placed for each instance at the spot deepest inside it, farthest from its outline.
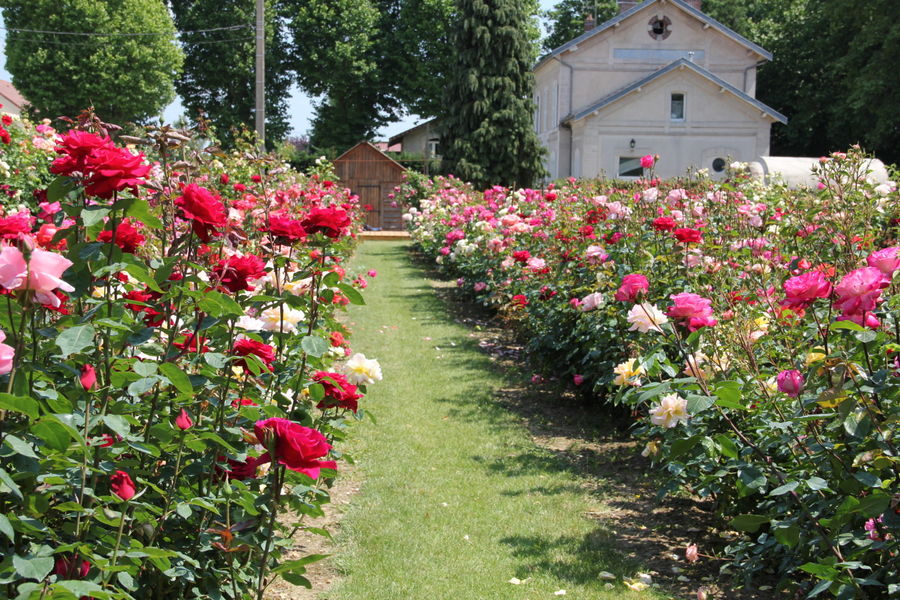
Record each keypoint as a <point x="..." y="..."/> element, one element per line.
<point x="661" y="78"/>
<point x="423" y="139"/>
<point x="13" y="102"/>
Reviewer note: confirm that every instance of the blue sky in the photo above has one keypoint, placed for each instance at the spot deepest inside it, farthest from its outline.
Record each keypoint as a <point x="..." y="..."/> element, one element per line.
<point x="301" y="105"/>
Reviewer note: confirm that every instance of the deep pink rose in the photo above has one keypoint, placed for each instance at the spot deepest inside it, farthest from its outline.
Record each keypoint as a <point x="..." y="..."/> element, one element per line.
<point x="692" y="311"/>
<point x="860" y="291"/>
<point x="183" y="421"/>
<point x="633" y="285"/>
<point x="13" y="267"/>
<point x="887" y="260"/>
<point x="296" y="447"/>
<point x="122" y="486"/>
<point x="803" y="290"/>
<point x="648" y="161"/>
<point x="790" y="382"/>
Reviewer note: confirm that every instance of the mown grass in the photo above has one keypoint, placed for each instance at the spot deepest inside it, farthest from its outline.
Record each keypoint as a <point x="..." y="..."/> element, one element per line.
<point x="456" y="498"/>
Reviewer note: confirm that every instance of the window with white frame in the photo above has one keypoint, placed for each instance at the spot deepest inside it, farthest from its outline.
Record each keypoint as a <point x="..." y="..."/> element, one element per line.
<point x="676" y="106"/>
<point x="630" y="166"/>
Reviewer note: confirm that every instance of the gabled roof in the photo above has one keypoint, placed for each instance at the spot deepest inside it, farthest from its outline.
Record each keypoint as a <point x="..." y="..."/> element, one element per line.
<point x="570" y="45"/>
<point x="399" y="137"/>
<point x="8" y="91"/>
<point x="681" y="63"/>
<point x="374" y="149"/>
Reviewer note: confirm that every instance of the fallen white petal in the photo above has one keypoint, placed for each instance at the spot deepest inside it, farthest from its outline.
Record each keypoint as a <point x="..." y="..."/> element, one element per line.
<point x="606" y="575"/>
<point x="559" y="593"/>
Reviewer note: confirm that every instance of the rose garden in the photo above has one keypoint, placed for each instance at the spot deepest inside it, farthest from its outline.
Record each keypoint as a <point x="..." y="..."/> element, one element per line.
<point x="180" y="379"/>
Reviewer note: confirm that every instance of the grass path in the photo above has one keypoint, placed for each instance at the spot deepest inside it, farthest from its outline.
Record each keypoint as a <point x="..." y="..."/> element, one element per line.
<point x="456" y="499"/>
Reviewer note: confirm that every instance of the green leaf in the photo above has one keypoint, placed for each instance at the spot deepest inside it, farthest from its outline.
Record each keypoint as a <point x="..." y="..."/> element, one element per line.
<point x="846" y="325"/>
<point x="143" y="275"/>
<point x="697" y="404"/>
<point x="59" y="188"/>
<point x="36" y="567"/>
<point x="53" y="433"/>
<point x="293" y="565"/>
<point x="118" y="424"/>
<point x="784" y="489"/>
<point x="752" y="477"/>
<point x="80" y="589"/>
<point x="75" y="339"/>
<point x="352" y="294"/>
<point x="331" y="280"/>
<point x="728" y="395"/>
<point x="873" y="505"/>
<point x="787" y="536"/>
<point x="6" y="481"/>
<point x="20" y="404"/>
<point x="91" y="215"/>
<point x="727" y="446"/>
<point x="296" y="579"/>
<point x="314" y="345"/>
<point x="140" y="209"/>
<point x="821" y="571"/>
<point x="20" y="446"/>
<point x="178" y="377"/>
<point x="748" y="523"/>
<point x="142" y="386"/>
<point x="868" y="479"/>
<point x="816" y="483"/>
<point x="145" y="368"/>
<point x="7" y="529"/>
<point x="216" y="360"/>
<point x="682" y="445"/>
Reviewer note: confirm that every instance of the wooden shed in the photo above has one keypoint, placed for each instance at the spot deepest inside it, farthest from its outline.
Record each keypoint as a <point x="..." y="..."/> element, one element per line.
<point x="372" y="175"/>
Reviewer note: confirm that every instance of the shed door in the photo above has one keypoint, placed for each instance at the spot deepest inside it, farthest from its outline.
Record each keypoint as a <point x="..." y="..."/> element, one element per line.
<point x="371" y="195"/>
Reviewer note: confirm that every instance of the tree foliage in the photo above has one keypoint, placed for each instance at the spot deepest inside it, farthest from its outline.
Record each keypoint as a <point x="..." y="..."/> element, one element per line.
<point x="219" y="71"/>
<point x="565" y="21"/>
<point x="126" y="78"/>
<point x="488" y="136"/>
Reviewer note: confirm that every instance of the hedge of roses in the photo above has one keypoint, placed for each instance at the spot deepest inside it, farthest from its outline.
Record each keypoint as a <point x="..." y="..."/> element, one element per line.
<point x="174" y="377"/>
<point x="753" y="331"/>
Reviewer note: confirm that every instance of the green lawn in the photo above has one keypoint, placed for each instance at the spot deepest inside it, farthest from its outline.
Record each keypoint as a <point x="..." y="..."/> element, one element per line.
<point x="456" y="500"/>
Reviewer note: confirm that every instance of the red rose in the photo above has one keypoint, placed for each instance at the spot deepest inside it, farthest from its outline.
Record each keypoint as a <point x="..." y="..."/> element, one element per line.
<point x="109" y="169"/>
<point x="285" y="230"/>
<point x="521" y="255"/>
<point x="203" y="209"/>
<point x="664" y="224"/>
<point x="245" y="346"/>
<point x="7" y="120"/>
<point x="338" y="391"/>
<point x="686" y="235"/>
<point x="235" y="272"/>
<point x="239" y="402"/>
<point x="337" y="338"/>
<point x="88" y="377"/>
<point x="152" y="316"/>
<point x="76" y="146"/>
<point x="244" y="470"/>
<point x="330" y="221"/>
<point x="121" y="485"/>
<point x="183" y="421"/>
<point x="519" y="300"/>
<point x="296" y="447"/>
<point x="127" y="237"/>
<point x="189" y="343"/>
<point x="71" y="567"/>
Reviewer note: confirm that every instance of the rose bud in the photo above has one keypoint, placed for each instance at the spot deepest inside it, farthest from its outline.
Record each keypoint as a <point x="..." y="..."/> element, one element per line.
<point x="122" y="486"/>
<point x="88" y="377"/>
<point x="790" y="382"/>
<point x="183" y="421"/>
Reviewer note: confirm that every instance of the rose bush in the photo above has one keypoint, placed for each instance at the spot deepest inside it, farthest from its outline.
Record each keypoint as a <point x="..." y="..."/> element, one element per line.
<point x="165" y="427"/>
<point x="753" y="331"/>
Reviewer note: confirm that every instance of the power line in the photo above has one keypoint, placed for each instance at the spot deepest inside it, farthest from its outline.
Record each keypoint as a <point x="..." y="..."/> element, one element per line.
<point x="133" y="34"/>
<point x="93" y="44"/>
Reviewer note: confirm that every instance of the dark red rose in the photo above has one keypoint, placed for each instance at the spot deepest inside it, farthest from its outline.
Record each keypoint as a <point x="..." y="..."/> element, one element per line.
<point x="235" y="273"/>
<point x="338" y="391"/>
<point x="664" y="224"/>
<point x="109" y="169"/>
<point x="330" y="221"/>
<point x="71" y="567"/>
<point x="296" y="447"/>
<point x="686" y="235"/>
<point x="122" y="486"/>
<point x="152" y="316"/>
<point x="203" y="209"/>
<point x="245" y="346"/>
<point x="285" y="230"/>
<point x="127" y="238"/>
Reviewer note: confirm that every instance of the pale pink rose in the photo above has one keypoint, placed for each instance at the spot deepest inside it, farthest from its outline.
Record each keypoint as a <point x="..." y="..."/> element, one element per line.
<point x="591" y="301"/>
<point x="7" y="354"/>
<point x="480" y="286"/>
<point x="45" y="270"/>
<point x="650" y="195"/>
<point x="13" y="268"/>
<point x="507" y="263"/>
<point x="595" y="255"/>
<point x="691" y="553"/>
<point x="887" y="260"/>
<point x="536" y="264"/>
<point x="692" y="311"/>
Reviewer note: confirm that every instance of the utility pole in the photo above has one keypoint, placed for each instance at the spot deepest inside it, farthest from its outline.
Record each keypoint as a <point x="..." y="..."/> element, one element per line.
<point x="261" y="72"/>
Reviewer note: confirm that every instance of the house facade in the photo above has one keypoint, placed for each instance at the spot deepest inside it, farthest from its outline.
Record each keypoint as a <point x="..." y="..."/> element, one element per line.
<point x="13" y="102"/>
<point x="660" y="78"/>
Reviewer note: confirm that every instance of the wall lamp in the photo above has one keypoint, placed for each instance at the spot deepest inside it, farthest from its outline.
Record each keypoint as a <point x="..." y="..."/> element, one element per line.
<point x="631" y="144"/>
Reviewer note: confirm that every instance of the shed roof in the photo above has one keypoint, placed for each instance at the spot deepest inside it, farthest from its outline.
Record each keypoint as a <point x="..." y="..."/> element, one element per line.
<point x="572" y="44"/>
<point x="681" y="63"/>
<point x="368" y="146"/>
<point x="7" y="90"/>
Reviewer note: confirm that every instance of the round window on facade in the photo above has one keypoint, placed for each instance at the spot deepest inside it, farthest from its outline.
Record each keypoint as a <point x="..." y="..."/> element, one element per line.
<point x="718" y="165"/>
<point x="658" y="27"/>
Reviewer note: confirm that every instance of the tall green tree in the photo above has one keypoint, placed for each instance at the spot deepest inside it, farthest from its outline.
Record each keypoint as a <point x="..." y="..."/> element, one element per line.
<point x="219" y="70"/>
<point x="488" y="137"/>
<point x="125" y="77"/>
<point x="565" y="21"/>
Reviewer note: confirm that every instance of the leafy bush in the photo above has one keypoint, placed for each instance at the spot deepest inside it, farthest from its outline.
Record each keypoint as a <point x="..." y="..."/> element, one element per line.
<point x="753" y="330"/>
<point x="174" y="374"/>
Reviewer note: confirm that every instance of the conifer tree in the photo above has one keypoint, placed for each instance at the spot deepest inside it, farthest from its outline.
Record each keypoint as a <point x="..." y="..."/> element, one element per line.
<point x="488" y="136"/>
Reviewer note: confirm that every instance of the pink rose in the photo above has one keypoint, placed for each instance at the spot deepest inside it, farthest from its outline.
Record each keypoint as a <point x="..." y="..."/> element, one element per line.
<point x="633" y="285"/>
<point x="648" y="161"/>
<point x="803" y="290"/>
<point x="692" y="311"/>
<point x="591" y="301"/>
<point x="7" y="354"/>
<point x="45" y="270"/>
<point x="790" y="382"/>
<point x="886" y="260"/>
<point x="577" y="379"/>
<point x="13" y="267"/>
<point x="860" y="291"/>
